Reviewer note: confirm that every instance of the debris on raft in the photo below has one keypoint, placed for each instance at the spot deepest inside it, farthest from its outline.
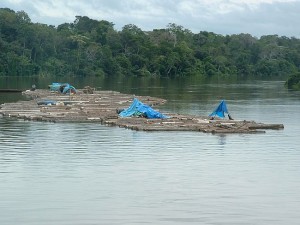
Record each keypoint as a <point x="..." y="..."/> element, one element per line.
<point x="104" y="106"/>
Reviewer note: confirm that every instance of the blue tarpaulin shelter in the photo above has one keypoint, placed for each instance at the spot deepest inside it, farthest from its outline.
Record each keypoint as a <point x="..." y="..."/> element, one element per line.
<point x="138" y="108"/>
<point x="220" y="110"/>
<point x="63" y="88"/>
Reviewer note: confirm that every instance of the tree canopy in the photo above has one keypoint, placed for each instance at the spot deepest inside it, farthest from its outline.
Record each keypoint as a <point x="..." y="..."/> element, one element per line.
<point x="89" y="47"/>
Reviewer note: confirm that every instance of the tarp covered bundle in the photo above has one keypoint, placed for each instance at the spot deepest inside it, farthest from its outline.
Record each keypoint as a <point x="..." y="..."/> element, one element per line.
<point x="220" y="110"/>
<point x="138" y="108"/>
<point x="63" y="88"/>
<point x="46" y="102"/>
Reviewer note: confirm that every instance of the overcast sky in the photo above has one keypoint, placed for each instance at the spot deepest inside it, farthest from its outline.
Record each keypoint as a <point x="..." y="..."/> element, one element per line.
<point x="256" y="17"/>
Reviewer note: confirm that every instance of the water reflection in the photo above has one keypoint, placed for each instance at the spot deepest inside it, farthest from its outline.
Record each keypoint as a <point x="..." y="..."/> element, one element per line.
<point x="222" y="139"/>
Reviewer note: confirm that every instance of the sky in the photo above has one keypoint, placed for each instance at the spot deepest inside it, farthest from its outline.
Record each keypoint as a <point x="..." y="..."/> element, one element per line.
<point x="255" y="17"/>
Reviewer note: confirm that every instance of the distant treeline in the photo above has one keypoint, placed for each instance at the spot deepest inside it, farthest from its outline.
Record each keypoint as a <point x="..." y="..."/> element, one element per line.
<point x="88" y="47"/>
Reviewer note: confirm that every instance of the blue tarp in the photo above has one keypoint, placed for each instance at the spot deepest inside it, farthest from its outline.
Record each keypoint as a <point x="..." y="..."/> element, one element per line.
<point x="138" y="108"/>
<point x="55" y="86"/>
<point x="220" y="110"/>
<point x="62" y="87"/>
<point x="46" y="102"/>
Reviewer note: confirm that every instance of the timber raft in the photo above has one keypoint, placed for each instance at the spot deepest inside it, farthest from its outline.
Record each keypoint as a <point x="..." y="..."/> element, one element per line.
<point x="103" y="106"/>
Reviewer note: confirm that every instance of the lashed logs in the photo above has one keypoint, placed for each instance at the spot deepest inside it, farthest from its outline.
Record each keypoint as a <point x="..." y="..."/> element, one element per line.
<point x="102" y="106"/>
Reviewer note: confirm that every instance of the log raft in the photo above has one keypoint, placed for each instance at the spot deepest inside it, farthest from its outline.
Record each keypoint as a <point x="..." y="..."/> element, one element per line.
<point x="103" y="106"/>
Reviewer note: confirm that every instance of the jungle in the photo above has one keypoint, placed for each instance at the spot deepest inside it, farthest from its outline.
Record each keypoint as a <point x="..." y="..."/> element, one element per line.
<point x="88" y="47"/>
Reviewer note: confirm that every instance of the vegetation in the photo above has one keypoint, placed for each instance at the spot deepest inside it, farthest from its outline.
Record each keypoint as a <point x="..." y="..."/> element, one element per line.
<point x="88" y="47"/>
<point x="293" y="82"/>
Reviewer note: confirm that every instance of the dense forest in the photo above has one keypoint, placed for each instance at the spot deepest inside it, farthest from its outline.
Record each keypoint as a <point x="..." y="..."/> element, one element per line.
<point x="88" y="47"/>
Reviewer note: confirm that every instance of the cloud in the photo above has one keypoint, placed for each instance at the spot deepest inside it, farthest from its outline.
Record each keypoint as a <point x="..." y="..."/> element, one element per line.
<point x="257" y="17"/>
<point x="280" y="18"/>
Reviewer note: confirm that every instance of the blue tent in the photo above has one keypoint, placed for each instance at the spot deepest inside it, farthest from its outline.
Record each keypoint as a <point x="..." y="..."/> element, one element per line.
<point x="69" y="89"/>
<point x="138" y="108"/>
<point x="63" y="88"/>
<point x="220" y="110"/>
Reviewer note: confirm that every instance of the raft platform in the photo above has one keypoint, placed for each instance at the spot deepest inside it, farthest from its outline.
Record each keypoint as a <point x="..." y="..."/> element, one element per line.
<point x="103" y="106"/>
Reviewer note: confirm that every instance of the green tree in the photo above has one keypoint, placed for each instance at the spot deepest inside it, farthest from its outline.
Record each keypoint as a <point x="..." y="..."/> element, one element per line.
<point x="293" y="82"/>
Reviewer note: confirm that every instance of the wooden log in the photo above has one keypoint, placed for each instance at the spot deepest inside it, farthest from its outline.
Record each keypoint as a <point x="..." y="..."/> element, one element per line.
<point x="267" y="126"/>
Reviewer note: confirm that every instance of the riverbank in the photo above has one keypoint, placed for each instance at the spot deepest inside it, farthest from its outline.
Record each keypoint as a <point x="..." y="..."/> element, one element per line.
<point x="103" y="107"/>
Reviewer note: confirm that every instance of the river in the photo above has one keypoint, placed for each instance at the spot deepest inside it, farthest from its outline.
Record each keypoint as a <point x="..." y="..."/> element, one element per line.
<point x="87" y="173"/>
